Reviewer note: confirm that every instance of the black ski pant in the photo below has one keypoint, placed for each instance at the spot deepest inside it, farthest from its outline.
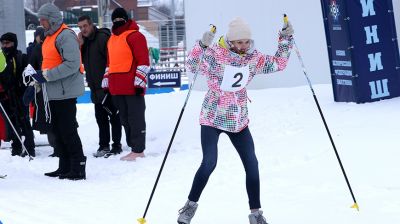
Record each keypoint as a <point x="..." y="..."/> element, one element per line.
<point x="64" y="127"/>
<point x="105" y="117"/>
<point x="132" y="115"/>
<point x="21" y="123"/>
<point x="243" y="142"/>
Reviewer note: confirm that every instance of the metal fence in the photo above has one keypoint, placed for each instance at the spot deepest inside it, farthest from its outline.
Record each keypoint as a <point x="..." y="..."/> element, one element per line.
<point x="167" y="38"/>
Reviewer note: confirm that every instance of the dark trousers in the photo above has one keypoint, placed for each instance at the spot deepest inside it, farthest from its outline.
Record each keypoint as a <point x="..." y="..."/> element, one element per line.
<point x="21" y="123"/>
<point x="64" y="127"/>
<point x="132" y="115"/>
<point x="243" y="142"/>
<point x="104" y="118"/>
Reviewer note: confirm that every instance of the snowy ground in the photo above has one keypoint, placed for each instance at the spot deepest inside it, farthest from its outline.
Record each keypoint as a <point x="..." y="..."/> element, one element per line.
<point x="301" y="181"/>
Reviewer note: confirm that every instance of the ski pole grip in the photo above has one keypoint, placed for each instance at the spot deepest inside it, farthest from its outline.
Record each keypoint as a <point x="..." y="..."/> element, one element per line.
<point x="285" y="21"/>
<point x="213" y="28"/>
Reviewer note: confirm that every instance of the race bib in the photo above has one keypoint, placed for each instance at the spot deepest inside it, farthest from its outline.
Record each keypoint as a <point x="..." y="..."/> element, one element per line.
<point x="235" y="78"/>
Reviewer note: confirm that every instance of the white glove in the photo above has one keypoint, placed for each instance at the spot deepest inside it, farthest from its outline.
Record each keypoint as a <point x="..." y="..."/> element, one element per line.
<point x="29" y="70"/>
<point x="287" y="30"/>
<point x="104" y="83"/>
<point x="27" y="75"/>
<point x="207" y="39"/>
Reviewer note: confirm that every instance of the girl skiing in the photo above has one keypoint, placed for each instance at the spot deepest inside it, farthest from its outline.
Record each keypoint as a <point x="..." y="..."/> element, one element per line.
<point x="229" y="66"/>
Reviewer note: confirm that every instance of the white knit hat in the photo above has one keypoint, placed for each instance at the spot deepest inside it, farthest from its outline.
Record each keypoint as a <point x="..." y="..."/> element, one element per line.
<point x="238" y="30"/>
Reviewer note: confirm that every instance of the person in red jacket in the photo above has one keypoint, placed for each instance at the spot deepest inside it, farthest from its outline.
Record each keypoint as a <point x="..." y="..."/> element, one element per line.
<point x="126" y="79"/>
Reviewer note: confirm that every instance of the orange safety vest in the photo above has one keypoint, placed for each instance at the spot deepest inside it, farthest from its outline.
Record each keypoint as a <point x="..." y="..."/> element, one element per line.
<point x="119" y="53"/>
<point x="51" y="56"/>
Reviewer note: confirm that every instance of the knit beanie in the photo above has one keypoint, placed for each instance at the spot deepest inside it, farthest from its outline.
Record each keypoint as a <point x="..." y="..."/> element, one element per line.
<point x="12" y="37"/>
<point x="119" y="13"/>
<point x="238" y="30"/>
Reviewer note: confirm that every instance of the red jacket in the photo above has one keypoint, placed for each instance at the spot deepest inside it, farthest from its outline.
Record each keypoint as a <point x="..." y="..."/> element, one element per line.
<point x="3" y="128"/>
<point x="124" y="83"/>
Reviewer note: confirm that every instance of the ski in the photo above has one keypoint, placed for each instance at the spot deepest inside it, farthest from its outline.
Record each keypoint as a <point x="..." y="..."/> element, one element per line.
<point x="3" y="176"/>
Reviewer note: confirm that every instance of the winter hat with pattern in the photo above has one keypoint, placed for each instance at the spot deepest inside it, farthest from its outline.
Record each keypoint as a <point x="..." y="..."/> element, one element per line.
<point x="238" y="30"/>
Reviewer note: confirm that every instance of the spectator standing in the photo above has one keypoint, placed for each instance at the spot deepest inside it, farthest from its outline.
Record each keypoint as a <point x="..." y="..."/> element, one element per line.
<point x="127" y="77"/>
<point x="94" y="56"/>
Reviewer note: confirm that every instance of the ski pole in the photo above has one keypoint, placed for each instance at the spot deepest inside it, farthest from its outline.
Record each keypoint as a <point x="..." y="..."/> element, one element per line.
<point x="355" y="205"/>
<point x="143" y="219"/>
<point x="16" y="133"/>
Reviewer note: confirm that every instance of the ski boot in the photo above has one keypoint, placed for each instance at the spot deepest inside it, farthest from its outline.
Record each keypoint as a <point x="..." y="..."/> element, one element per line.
<point x="187" y="212"/>
<point x="257" y="218"/>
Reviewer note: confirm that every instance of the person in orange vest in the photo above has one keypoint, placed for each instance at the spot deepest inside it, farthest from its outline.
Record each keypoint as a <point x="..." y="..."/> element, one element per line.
<point x="126" y="79"/>
<point x="61" y="78"/>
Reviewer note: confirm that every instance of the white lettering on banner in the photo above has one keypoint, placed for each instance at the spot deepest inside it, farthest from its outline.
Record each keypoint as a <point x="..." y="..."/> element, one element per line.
<point x="367" y="8"/>
<point x="164" y="76"/>
<point x="341" y="63"/>
<point x="375" y="62"/>
<point x="379" y="88"/>
<point x="340" y="53"/>
<point x="235" y="78"/>
<point x="343" y="72"/>
<point x="344" y="82"/>
<point x="371" y="34"/>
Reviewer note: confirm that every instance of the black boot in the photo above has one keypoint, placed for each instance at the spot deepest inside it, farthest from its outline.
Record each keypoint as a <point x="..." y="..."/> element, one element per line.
<point x="115" y="150"/>
<point x="16" y="151"/>
<point x="77" y="171"/>
<point x="52" y="141"/>
<point x="63" y="168"/>
<point x="56" y="153"/>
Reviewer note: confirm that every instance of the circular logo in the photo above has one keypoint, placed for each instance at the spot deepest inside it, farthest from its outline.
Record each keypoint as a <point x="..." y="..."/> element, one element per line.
<point x="334" y="10"/>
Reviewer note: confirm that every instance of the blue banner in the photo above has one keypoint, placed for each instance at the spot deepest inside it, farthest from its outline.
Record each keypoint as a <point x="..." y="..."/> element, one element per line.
<point x="363" y="49"/>
<point x="164" y="79"/>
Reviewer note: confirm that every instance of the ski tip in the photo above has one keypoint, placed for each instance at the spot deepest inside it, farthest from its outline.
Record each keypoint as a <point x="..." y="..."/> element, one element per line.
<point x="141" y="220"/>
<point x="355" y="205"/>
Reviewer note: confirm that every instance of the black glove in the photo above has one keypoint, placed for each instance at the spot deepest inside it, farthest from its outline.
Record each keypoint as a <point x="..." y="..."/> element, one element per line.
<point x="139" y="91"/>
<point x="108" y="105"/>
<point x="29" y="95"/>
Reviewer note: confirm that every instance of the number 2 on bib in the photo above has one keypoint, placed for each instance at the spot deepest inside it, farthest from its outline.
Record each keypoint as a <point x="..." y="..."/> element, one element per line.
<point x="235" y="78"/>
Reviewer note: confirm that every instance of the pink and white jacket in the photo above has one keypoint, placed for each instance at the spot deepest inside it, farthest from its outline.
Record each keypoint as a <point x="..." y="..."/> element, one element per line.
<point x="228" y="73"/>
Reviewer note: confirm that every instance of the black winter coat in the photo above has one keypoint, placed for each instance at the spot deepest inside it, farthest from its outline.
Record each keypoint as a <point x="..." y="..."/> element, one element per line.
<point x="36" y="58"/>
<point x="39" y="117"/>
<point x="12" y="84"/>
<point x="94" y="57"/>
<point x="10" y="80"/>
